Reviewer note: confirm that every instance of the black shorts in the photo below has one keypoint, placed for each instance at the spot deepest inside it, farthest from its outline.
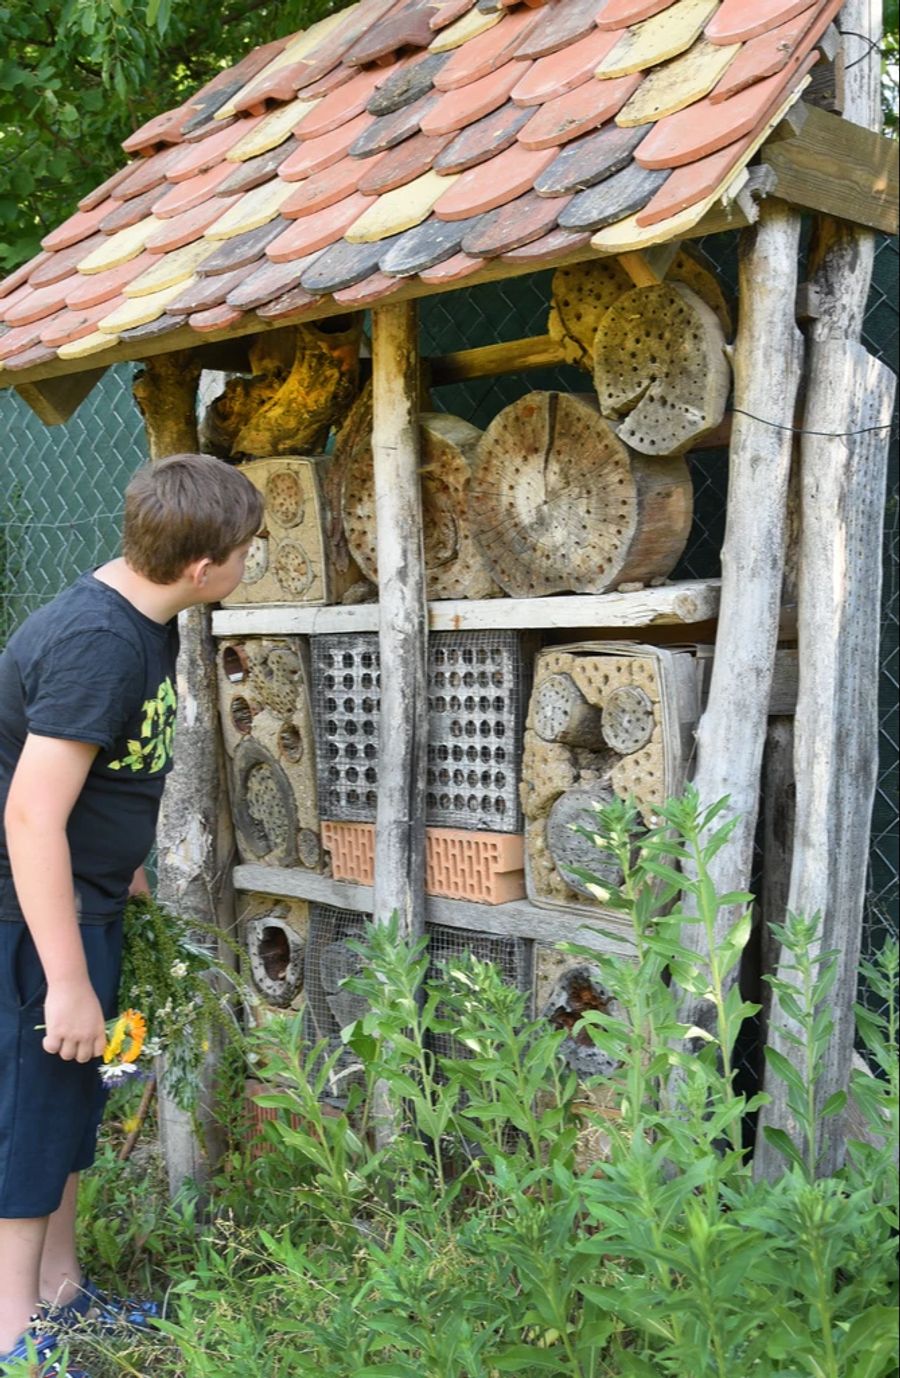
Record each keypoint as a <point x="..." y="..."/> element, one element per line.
<point x="50" y="1110"/>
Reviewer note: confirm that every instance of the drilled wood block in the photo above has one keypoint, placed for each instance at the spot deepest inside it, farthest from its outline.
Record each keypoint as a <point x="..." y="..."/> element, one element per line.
<point x="291" y="561"/>
<point x="264" y="709"/>
<point x="646" y="702"/>
<point x="273" y="937"/>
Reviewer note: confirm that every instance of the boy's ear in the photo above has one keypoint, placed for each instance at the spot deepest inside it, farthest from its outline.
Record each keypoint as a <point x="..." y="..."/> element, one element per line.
<point x="197" y="572"/>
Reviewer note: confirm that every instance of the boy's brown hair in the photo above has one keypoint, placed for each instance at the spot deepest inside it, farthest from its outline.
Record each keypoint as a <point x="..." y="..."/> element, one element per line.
<point x="186" y="508"/>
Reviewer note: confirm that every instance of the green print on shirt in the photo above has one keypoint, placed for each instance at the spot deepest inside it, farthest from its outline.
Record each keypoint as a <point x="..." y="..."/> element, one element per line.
<point x="154" y="750"/>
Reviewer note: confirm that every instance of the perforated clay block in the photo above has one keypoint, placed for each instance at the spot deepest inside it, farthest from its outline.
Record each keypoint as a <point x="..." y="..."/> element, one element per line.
<point x="478" y="688"/>
<point x="487" y="868"/>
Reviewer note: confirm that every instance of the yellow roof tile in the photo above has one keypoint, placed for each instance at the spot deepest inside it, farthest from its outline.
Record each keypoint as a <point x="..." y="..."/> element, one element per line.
<point x="680" y="82"/>
<point x="656" y="40"/>
<point x="400" y="209"/>
<point x="469" y="26"/>
<point x="120" y="247"/>
<point x="271" y="131"/>
<point x="139" y="311"/>
<point x="255" y="208"/>
<point x="88" y="344"/>
<point x="177" y="266"/>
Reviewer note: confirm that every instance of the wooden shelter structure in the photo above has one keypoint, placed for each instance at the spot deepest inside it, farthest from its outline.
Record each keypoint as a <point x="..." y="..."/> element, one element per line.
<point x="401" y="148"/>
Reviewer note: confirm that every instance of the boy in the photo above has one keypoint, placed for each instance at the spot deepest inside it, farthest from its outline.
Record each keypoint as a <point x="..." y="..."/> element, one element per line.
<point x="87" y="711"/>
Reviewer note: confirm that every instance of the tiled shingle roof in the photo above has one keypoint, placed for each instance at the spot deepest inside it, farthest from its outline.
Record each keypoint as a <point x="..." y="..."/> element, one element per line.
<point x="412" y="139"/>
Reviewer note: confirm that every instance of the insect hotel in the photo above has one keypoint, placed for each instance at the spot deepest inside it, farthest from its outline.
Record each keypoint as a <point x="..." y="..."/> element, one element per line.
<point x="452" y="642"/>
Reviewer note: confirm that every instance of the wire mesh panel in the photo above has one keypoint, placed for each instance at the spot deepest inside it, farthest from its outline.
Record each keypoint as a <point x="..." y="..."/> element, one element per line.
<point x="478" y="689"/>
<point x="513" y="958"/>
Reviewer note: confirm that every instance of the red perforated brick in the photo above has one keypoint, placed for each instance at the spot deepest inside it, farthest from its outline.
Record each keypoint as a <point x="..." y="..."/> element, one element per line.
<point x="460" y="865"/>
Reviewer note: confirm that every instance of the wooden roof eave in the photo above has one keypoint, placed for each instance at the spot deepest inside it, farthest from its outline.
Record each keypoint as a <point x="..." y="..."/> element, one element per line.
<point x="814" y="160"/>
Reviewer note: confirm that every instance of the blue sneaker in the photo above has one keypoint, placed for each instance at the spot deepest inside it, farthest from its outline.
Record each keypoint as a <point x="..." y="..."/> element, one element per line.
<point x="93" y="1307"/>
<point x="37" y="1344"/>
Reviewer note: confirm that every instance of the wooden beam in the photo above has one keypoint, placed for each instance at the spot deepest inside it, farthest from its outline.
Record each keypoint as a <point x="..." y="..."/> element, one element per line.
<point x="515" y="356"/>
<point x="649" y="268"/>
<point x="837" y="167"/>
<point x="402" y="621"/>
<point x="54" y="400"/>
<point x="732" y="730"/>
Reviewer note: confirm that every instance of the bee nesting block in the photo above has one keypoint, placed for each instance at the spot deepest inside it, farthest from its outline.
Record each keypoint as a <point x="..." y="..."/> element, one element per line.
<point x="647" y="702"/>
<point x="267" y="730"/>
<point x="274" y="936"/>
<point x="292" y="560"/>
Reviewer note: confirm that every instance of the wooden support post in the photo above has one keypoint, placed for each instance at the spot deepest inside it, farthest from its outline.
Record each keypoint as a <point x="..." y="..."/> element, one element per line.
<point x="839" y="583"/>
<point x="400" y="816"/>
<point x="732" y="730"/>
<point x="194" y="837"/>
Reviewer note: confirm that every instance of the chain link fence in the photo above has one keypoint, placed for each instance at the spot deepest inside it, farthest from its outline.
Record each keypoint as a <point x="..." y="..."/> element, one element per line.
<point x="61" y="487"/>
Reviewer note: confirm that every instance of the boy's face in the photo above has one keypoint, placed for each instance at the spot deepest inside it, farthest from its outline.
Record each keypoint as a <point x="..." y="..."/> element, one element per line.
<point x="220" y="580"/>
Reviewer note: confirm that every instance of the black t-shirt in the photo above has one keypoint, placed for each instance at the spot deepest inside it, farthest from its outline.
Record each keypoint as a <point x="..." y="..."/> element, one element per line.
<point x="89" y="667"/>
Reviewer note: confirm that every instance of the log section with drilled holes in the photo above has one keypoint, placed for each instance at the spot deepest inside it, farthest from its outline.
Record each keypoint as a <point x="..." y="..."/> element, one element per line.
<point x="563" y="714"/>
<point x="659" y="363"/>
<point x="582" y="293"/>
<point x="455" y="567"/>
<point x="557" y="502"/>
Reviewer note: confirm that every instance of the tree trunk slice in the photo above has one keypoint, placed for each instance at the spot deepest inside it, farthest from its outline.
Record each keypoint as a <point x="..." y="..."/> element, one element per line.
<point x="562" y="714"/>
<point x="454" y="565"/>
<point x="568" y="847"/>
<point x="659" y="362"/>
<point x="628" y="720"/>
<point x="582" y="293"/>
<point x="558" y="504"/>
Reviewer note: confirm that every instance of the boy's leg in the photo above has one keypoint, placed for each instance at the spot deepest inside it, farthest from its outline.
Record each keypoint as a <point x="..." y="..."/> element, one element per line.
<point x="21" y="1243"/>
<point x="60" y="1271"/>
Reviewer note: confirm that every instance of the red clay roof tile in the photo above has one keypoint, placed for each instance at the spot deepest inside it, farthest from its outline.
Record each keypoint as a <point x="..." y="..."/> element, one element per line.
<point x="518" y="222"/>
<point x="111" y="184"/>
<point x="324" y="189"/>
<point x="36" y="305"/>
<point x="294" y="303"/>
<point x="317" y="231"/>
<point x="484" y="139"/>
<point x="705" y="127"/>
<point x="689" y="185"/>
<point x="22" y="275"/>
<point x="560" y="72"/>
<point x="79" y="225"/>
<point x="186" y="195"/>
<point x="163" y="129"/>
<point x="401" y="164"/>
<point x="63" y="262"/>
<point x="556" y="244"/>
<point x="145" y="173"/>
<point x="267" y="281"/>
<point x="492" y="184"/>
<point x="737" y="20"/>
<point x="75" y="324"/>
<point x="563" y="22"/>
<point x="447" y="12"/>
<point x="451" y="269"/>
<point x="190" y="225"/>
<point x="89" y="289"/>
<point x="376" y="287"/>
<point x="390" y="130"/>
<point x="409" y="26"/>
<point x="575" y="113"/>
<point x="621" y="14"/>
<point x="216" y="318"/>
<point x="21" y="338"/>
<point x="197" y="157"/>
<point x="770" y="52"/>
<point x="340" y="105"/>
<point x="314" y="155"/>
<point x="490" y="50"/>
<point x="465" y="104"/>
<point x="37" y="354"/>
<point x="255" y="171"/>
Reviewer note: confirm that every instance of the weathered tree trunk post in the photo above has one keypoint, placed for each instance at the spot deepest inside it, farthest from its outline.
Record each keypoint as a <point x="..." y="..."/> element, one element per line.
<point x="400" y="816"/>
<point x="194" y="837"/>
<point x="402" y="637"/>
<point x="732" y="731"/>
<point x="843" y="474"/>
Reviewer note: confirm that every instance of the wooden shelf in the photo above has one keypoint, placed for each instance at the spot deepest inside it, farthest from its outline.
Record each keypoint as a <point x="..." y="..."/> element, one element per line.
<point x="517" y="919"/>
<point x="684" y="603"/>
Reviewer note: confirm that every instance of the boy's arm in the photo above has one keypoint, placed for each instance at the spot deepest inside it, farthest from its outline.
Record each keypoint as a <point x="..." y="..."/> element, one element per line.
<point x="47" y="781"/>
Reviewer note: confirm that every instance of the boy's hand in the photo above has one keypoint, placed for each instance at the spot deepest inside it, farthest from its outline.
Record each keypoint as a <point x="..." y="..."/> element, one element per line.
<point x="76" y="1029"/>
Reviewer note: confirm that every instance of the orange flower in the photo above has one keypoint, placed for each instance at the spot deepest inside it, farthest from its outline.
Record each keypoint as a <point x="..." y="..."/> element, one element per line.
<point x="132" y="1026"/>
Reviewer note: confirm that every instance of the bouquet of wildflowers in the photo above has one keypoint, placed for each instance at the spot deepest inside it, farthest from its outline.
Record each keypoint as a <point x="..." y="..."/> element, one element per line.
<point x="175" y="994"/>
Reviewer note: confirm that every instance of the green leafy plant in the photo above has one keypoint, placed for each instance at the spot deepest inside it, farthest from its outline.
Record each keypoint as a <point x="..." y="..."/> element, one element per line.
<point x="446" y="1224"/>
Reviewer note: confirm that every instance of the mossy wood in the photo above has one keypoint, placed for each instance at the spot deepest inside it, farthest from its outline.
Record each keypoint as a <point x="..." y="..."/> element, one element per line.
<point x="660" y="365"/>
<point x="559" y="504"/>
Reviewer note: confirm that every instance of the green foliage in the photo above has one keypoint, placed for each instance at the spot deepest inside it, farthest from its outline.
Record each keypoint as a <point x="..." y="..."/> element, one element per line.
<point x="177" y="984"/>
<point x="78" y="76"/>
<point x="467" y="1242"/>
